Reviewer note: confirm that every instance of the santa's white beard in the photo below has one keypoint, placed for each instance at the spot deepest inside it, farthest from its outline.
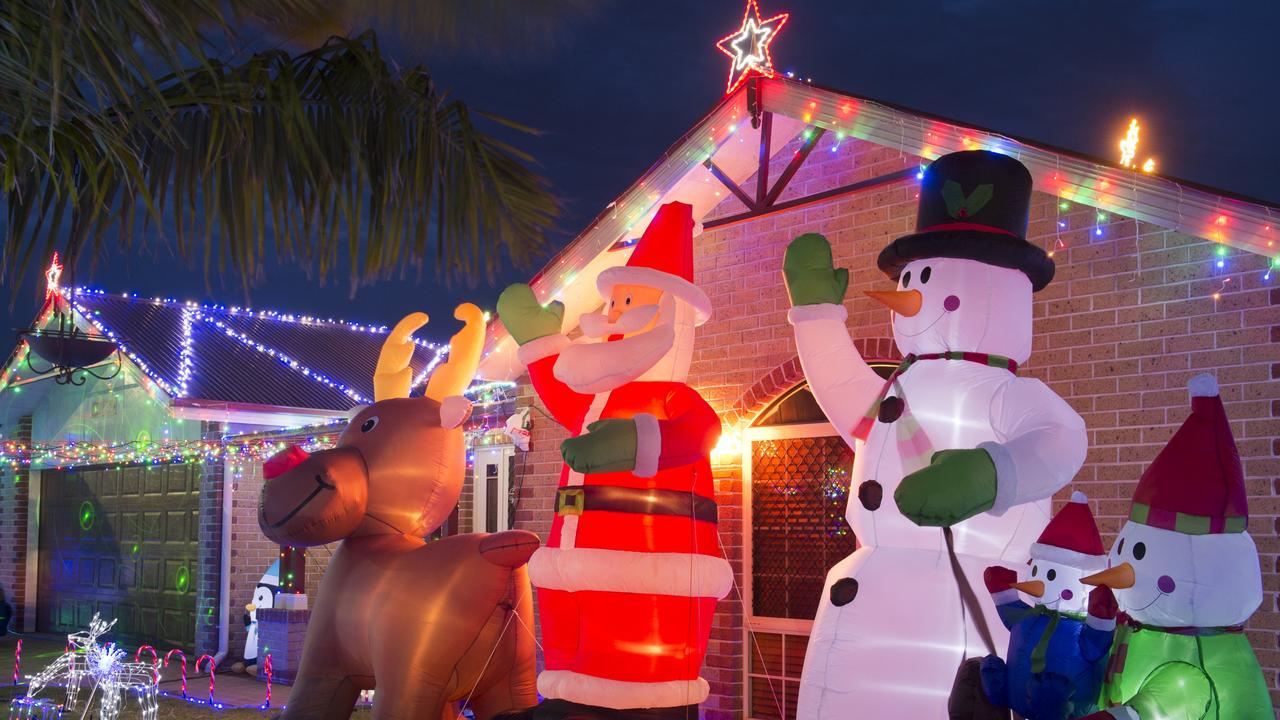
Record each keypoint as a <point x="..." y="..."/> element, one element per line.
<point x="660" y="354"/>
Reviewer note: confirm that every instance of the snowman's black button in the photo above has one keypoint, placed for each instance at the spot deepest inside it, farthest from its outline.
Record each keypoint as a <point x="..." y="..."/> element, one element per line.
<point x="890" y="409"/>
<point x="871" y="494"/>
<point x="844" y="591"/>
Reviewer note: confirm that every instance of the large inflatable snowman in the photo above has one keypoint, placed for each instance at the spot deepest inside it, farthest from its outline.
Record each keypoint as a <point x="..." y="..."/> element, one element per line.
<point x="1187" y="575"/>
<point x="956" y="439"/>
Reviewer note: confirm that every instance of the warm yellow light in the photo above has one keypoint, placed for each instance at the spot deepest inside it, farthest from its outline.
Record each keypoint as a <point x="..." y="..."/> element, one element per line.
<point x="728" y="449"/>
<point x="1149" y="165"/>
<point x="1129" y="145"/>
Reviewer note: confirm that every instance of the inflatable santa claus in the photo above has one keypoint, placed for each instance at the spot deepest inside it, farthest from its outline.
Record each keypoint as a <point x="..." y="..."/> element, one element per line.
<point x="630" y="576"/>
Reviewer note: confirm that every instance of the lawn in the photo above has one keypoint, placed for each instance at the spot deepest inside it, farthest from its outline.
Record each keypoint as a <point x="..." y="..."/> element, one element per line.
<point x="171" y="709"/>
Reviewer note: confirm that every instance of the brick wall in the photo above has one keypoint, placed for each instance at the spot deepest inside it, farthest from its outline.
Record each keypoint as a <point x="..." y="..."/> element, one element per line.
<point x="252" y="553"/>
<point x="1129" y="319"/>
<point x="14" y="496"/>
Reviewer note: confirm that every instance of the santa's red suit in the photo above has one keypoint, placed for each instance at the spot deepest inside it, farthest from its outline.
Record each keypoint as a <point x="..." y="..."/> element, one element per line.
<point x="629" y="579"/>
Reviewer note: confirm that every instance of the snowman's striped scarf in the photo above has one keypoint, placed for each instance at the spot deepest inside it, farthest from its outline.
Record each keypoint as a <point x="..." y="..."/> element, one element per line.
<point x="913" y="443"/>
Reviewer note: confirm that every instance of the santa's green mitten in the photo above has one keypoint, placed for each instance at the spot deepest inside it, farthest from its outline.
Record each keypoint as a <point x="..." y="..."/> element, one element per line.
<point x="607" y="446"/>
<point x="524" y="317"/>
<point x="957" y="485"/>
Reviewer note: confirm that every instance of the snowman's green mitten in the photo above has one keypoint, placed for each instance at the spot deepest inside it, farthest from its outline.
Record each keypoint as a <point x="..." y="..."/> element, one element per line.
<point x="810" y="273"/>
<point x="957" y="485"/>
<point x="607" y="446"/>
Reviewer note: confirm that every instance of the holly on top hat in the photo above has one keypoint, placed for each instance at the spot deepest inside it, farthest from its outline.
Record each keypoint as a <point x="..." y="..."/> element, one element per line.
<point x="663" y="259"/>
<point x="974" y="205"/>
<point x="1072" y="537"/>
<point x="1196" y="484"/>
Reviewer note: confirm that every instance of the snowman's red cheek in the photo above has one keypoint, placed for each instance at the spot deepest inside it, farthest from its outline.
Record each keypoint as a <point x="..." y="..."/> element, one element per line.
<point x="1067" y="594"/>
<point x="1166" y="584"/>
<point x="951" y="303"/>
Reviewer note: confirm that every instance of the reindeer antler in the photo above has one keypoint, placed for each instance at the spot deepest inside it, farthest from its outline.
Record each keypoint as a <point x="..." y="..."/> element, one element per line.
<point x="393" y="375"/>
<point x="455" y="375"/>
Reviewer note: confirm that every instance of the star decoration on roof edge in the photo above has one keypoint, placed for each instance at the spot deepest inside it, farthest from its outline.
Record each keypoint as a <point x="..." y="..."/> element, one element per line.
<point x="748" y="46"/>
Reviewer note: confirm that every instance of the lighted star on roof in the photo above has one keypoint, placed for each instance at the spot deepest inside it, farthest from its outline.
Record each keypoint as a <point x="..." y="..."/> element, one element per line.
<point x="52" y="276"/>
<point x="748" y="46"/>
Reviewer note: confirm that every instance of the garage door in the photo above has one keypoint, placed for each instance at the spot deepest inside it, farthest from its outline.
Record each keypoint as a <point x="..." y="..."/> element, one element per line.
<point x="121" y="542"/>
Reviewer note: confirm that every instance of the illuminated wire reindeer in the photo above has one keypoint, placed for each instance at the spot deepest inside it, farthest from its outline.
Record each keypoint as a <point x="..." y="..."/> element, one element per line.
<point x="105" y="665"/>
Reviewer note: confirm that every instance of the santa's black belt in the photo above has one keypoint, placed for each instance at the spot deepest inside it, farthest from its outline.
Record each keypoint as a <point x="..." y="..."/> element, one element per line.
<point x="609" y="498"/>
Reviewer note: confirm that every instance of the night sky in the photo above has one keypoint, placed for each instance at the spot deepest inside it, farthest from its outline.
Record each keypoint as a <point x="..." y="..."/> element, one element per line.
<point x="620" y="87"/>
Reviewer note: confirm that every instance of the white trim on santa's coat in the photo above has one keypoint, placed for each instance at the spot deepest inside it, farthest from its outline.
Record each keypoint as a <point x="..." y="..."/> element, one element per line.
<point x="648" y="445"/>
<point x="646" y="573"/>
<point x="543" y="347"/>
<point x="620" y="694"/>
<point x="569" y="526"/>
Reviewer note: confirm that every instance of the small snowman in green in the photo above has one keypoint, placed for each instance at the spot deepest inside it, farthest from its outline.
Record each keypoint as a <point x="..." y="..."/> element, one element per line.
<point x="1187" y="577"/>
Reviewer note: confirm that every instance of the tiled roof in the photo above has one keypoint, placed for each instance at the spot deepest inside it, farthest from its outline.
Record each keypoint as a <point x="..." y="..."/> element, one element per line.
<point x="216" y="353"/>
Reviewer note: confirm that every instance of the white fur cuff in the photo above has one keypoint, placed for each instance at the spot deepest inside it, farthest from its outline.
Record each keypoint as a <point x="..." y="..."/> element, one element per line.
<point x="1005" y="597"/>
<point x="823" y="311"/>
<point x="544" y="347"/>
<point x="648" y="445"/>
<point x="1006" y="477"/>
<point x="1098" y="623"/>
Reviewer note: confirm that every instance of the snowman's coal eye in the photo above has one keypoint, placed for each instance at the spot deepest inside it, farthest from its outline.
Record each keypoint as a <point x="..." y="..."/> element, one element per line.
<point x="906" y="279"/>
<point x="1139" y="551"/>
<point x="1051" y="575"/>
<point x="1120" y="547"/>
<point x="924" y="275"/>
<point x="1034" y="569"/>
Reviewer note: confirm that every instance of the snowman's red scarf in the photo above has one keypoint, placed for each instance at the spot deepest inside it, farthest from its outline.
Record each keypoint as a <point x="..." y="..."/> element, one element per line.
<point x="863" y="428"/>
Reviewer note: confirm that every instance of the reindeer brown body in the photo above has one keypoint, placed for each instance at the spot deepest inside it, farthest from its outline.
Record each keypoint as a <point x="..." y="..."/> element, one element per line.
<point x="426" y="624"/>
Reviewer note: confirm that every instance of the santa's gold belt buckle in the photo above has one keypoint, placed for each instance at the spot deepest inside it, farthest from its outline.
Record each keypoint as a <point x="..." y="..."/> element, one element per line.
<point x="571" y="501"/>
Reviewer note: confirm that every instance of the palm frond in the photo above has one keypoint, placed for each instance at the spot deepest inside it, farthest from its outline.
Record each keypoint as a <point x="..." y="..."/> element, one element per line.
<point x="326" y="157"/>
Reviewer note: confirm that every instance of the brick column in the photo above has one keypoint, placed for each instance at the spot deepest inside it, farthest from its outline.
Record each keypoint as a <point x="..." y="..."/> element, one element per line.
<point x="208" y="584"/>
<point x="280" y="635"/>
<point x="15" y="493"/>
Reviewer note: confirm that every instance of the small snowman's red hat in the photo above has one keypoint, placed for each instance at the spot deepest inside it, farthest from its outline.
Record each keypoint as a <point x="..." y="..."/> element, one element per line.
<point x="1196" y="484"/>
<point x="1071" y="537"/>
<point x="663" y="259"/>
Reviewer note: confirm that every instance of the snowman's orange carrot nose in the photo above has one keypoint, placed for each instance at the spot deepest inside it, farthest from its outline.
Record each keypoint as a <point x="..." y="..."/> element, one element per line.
<point x="1034" y="588"/>
<point x="903" y="302"/>
<point x="1117" y="578"/>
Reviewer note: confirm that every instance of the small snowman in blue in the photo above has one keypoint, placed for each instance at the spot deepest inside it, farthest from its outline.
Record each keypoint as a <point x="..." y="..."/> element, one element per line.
<point x="1058" y="646"/>
<point x="264" y="597"/>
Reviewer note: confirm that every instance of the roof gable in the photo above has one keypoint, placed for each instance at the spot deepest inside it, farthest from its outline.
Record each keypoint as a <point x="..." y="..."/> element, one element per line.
<point x="730" y="137"/>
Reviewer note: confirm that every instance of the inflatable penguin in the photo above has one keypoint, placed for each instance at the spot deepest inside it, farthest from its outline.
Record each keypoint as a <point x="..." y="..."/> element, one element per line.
<point x="1187" y="578"/>
<point x="264" y="596"/>
<point x="1058" y="645"/>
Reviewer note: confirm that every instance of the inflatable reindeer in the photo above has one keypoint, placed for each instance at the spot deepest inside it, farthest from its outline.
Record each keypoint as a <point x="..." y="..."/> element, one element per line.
<point x="426" y="623"/>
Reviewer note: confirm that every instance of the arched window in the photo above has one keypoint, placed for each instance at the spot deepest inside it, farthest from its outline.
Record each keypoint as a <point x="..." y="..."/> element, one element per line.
<point x="796" y="470"/>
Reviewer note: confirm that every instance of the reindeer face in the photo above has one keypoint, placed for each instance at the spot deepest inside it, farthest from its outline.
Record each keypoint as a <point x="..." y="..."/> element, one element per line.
<point x="398" y="468"/>
<point x="415" y="467"/>
<point x="320" y="499"/>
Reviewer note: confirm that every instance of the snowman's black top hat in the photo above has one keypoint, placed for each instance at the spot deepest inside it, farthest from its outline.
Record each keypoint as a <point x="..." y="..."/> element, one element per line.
<point x="973" y="205"/>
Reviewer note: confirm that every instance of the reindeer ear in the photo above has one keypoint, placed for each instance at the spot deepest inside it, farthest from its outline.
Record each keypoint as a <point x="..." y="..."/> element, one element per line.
<point x="454" y="411"/>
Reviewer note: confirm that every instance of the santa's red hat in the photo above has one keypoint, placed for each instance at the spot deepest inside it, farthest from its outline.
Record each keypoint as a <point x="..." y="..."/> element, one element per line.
<point x="1072" y="537"/>
<point x="663" y="259"/>
<point x="1196" y="484"/>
